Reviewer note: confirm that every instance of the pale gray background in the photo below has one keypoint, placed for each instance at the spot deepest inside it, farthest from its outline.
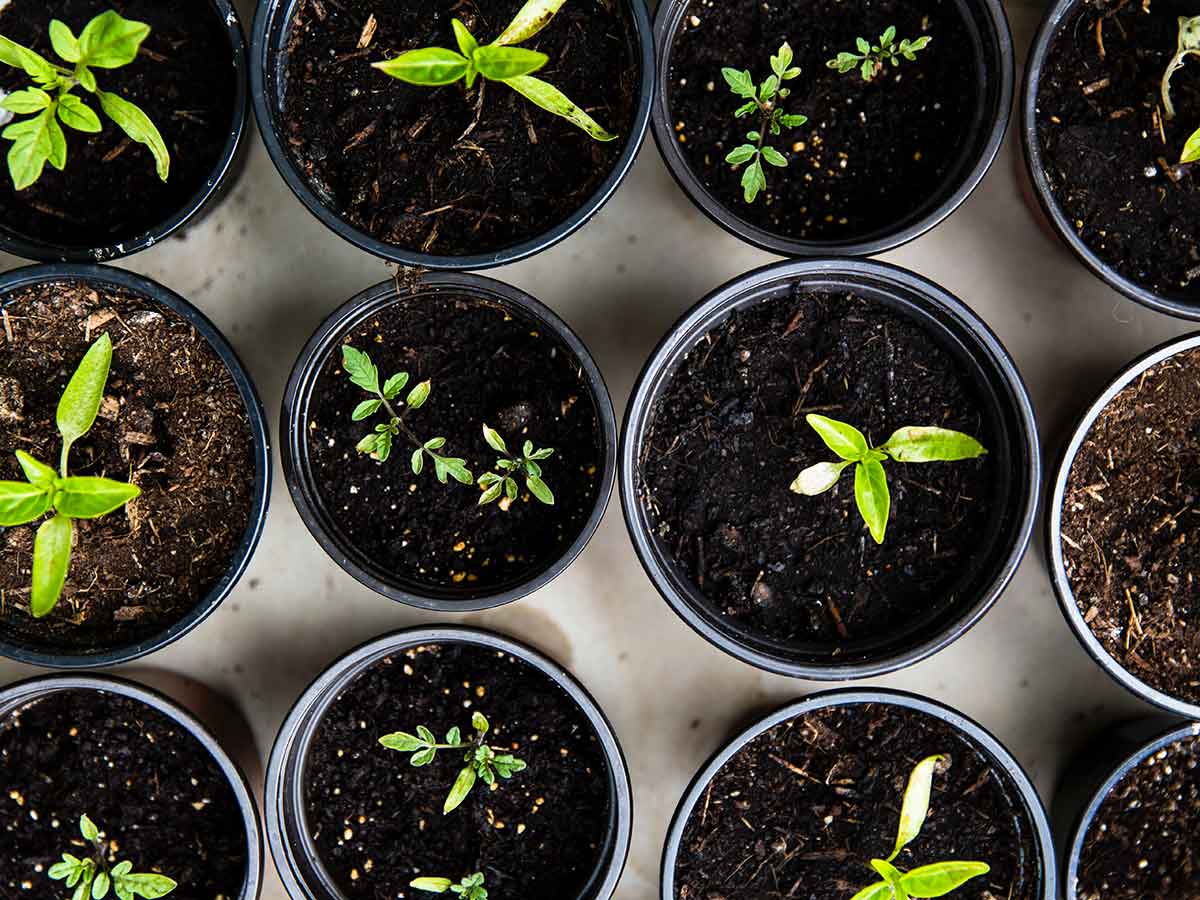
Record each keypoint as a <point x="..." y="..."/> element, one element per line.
<point x="268" y="273"/>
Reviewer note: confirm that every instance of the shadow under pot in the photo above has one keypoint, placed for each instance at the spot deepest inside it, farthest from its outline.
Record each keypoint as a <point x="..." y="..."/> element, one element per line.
<point x="811" y="798"/>
<point x="453" y="446"/>
<point x="738" y="413"/>
<point x="168" y="803"/>
<point x="790" y="155"/>
<point x="113" y="195"/>
<point x="108" y="375"/>
<point x="1123" y="538"/>
<point x="1104" y="154"/>
<point x="471" y="173"/>
<point x="527" y="786"/>
<point x="1127" y="813"/>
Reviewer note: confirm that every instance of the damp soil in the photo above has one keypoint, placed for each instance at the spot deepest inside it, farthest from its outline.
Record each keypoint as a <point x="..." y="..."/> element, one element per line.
<point x="1131" y="527"/>
<point x="151" y="787"/>
<point x="184" y="80"/>
<point x="729" y="435"/>
<point x="452" y="171"/>
<point x="488" y="364"/>
<point x="905" y="129"/>
<point x="1142" y="842"/>
<point x="172" y="422"/>
<point x="1107" y="149"/>
<point x="802" y="809"/>
<point x="377" y="822"/>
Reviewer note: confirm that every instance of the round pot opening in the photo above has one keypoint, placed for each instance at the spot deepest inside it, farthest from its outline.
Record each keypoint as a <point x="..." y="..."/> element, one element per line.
<point x="293" y="759"/>
<point x="460" y="575"/>
<point x="997" y="392"/>
<point x="98" y="294"/>
<point x="274" y="39"/>
<point x="984" y="29"/>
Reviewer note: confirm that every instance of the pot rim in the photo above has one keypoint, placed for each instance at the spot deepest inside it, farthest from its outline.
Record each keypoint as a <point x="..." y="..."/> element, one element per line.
<point x="264" y="91"/>
<point x="255" y="421"/>
<point x="284" y="781"/>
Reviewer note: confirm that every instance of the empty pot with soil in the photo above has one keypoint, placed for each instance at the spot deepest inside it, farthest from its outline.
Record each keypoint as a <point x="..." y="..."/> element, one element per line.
<point x="816" y="127"/>
<point x="771" y="489"/>
<point x="1127" y="813"/>
<point x="442" y="755"/>
<point x="838" y="794"/>
<point x="134" y="466"/>
<point x="449" y="441"/>
<point x="112" y="786"/>
<point x="123" y="126"/>
<point x="1123" y="531"/>
<point x="1106" y="119"/>
<point x="419" y="131"/>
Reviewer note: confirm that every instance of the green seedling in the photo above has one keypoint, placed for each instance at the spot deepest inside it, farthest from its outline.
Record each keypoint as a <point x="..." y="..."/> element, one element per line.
<point x="470" y="888"/>
<point x="764" y="99"/>
<point x="107" y="42"/>
<point x="933" y="880"/>
<point x="482" y="761"/>
<point x="907" y="445"/>
<point x="511" y="467"/>
<point x="92" y="877"/>
<point x="69" y="496"/>
<point x="1188" y="43"/>
<point x="871" y="58"/>
<point x="500" y="61"/>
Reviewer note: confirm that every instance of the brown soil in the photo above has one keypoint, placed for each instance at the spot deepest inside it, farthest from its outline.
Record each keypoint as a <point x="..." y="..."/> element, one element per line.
<point x="172" y="423"/>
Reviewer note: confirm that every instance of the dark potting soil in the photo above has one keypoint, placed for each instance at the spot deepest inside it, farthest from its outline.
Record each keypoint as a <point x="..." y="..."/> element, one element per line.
<point x="870" y="153"/>
<point x="803" y="808"/>
<point x="448" y="170"/>
<point x="1142" y="843"/>
<point x="172" y="422"/>
<point x="729" y="435"/>
<point x="488" y="364"/>
<point x="1107" y="150"/>
<point x="185" y="82"/>
<point x="378" y="822"/>
<point x="153" y="790"/>
<point x="1131" y="527"/>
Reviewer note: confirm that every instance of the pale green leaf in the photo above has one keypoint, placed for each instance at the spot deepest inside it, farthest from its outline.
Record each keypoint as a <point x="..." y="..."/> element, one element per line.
<point x="753" y="180"/>
<point x="843" y="439"/>
<point x="494" y="440"/>
<point x="361" y="370"/>
<point x="32" y="148"/>
<point x="51" y="559"/>
<point x="80" y="401"/>
<point x="741" y="154"/>
<point x="872" y="496"/>
<point x="930" y="444"/>
<point x="64" y="41"/>
<point x="423" y="758"/>
<point x="740" y="82"/>
<point x="34" y="65"/>
<point x="90" y="498"/>
<point x="538" y="488"/>
<point x="479" y="722"/>
<point x="501" y="63"/>
<point x="466" y="41"/>
<point x="402" y="741"/>
<point x="418" y="461"/>
<point x="419" y="394"/>
<point x="21" y="503"/>
<point x="916" y="800"/>
<point x="892" y="876"/>
<point x="819" y="478"/>
<point x="86" y="79"/>
<point x="36" y="472"/>
<point x="458" y="793"/>
<point x="492" y="493"/>
<point x="1191" y="148"/>
<point x="137" y="125"/>
<point x="782" y="61"/>
<point x="880" y="890"/>
<point x="432" y="885"/>
<point x="148" y="885"/>
<point x="429" y="66"/>
<point x="774" y="157"/>
<point x="365" y="410"/>
<point x="100" y="885"/>
<point x="74" y="113"/>
<point x="941" y="878"/>
<point x="394" y="385"/>
<point x="58" y="141"/>
<point x="30" y="100"/>
<point x="88" y="828"/>
<point x="529" y="20"/>
<point x="551" y="99"/>
<point x="110" y="41"/>
<point x="367" y="444"/>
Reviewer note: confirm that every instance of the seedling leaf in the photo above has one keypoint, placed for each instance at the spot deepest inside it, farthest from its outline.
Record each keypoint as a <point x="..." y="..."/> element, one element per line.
<point x="51" y="558"/>
<point x="916" y="802"/>
<point x="90" y="498"/>
<point x="872" y="496"/>
<point x="930" y="444"/>
<point x="529" y="20"/>
<point x="843" y="439"/>
<point x="551" y="99"/>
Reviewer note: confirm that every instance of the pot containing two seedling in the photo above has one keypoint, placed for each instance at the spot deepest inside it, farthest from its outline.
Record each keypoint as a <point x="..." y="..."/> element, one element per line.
<point x="453" y="138"/>
<point x="1110" y="121"/>
<point x="134" y="466"/>
<point x="830" y="469"/>
<point x="100" y="107"/>
<point x="848" y="134"/>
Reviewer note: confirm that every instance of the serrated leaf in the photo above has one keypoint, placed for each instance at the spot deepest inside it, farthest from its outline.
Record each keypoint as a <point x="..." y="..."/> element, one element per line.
<point x="394" y="385"/>
<point x="74" y="113"/>
<point x="401" y="741"/>
<point x="361" y="370"/>
<point x="538" y="488"/>
<point x="429" y="66"/>
<point x="551" y="99"/>
<point x="868" y="69"/>
<point x="941" y="878"/>
<point x="916" y="800"/>
<point x="753" y="180"/>
<point x="529" y="20"/>
<point x="843" y="439"/>
<point x="32" y="148"/>
<point x="745" y="109"/>
<point x="110" y="41"/>
<point x="740" y="82"/>
<point x="500" y="63"/>
<point x="458" y="792"/>
<point x="914" y="444"/>
<point x="145" y="884"/>
<point x="90" y="498"/>
<point x="863" y="45"/>
<point x="782" y="60"/>
<point x="138" y="127"/>
<point x="422" y="758"/>
<point x="888" y="36"/>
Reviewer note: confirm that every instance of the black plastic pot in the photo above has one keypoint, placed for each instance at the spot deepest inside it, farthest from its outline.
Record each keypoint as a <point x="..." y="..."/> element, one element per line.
<point x="1035" y="813"/>
<point x="300" y="480"/>
<point x="965" y="336"/>
<point x="1054" y="547"/>
<point x="288" y="834"/>
<point x="23" y="693"/>
<point x="269" y="86"/>
<point x="1088" y="780"/>
<point x="223" y="174"/>
<point x="1175" y="304"/>
<point x="256" y="421"/>
<point x="993" y="73"/>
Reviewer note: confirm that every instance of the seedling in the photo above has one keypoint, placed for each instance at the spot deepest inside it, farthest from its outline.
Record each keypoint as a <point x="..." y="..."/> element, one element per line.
<point x="1188" y="43"/>
<point x="907" y="445"/>
<point x="482" y="761"/>
<point x="871" y="58"/>
<point x="365" y="374"/>
<point x="763" y="99"/>
<point x="512" y="467"/>
<point x="71" y="497"/>
<point x="935" y="879"/>
<point x="107" y="42"/>
<point x="92" y="877"/>
<point x="470" y="888"/>
<point x="500" y="61"/>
